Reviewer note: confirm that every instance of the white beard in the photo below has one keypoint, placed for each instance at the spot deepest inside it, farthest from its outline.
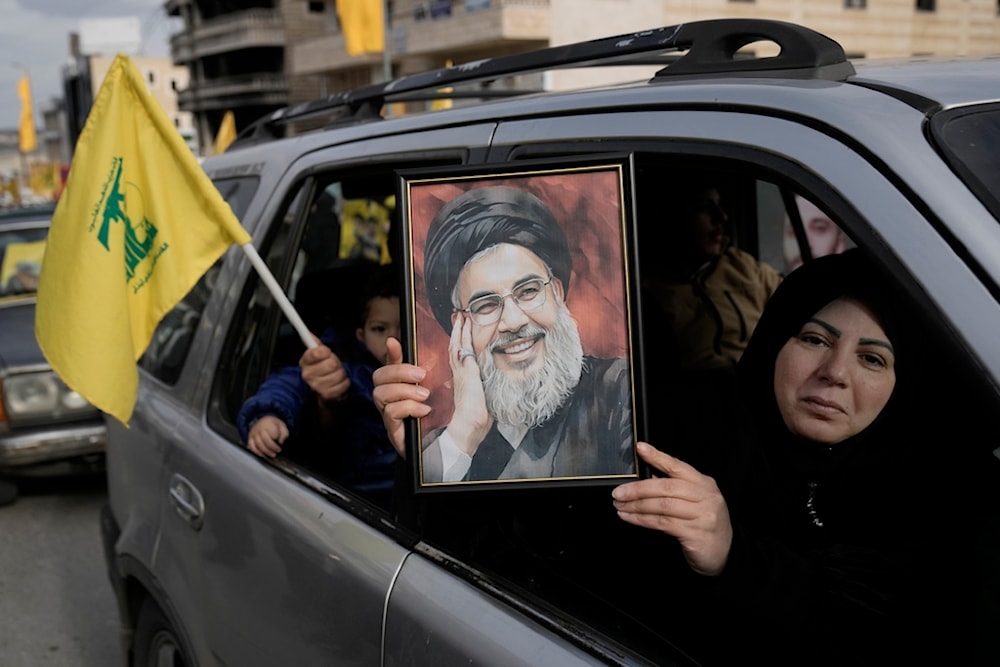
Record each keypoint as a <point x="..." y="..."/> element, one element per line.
<point x="530" y="400"/>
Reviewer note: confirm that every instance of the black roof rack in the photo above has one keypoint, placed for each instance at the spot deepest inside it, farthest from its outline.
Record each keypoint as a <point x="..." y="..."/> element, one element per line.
<point x="710" y="47"/>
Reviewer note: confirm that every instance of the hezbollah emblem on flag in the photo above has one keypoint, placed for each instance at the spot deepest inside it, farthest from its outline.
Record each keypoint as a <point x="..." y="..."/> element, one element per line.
<point x="140" y="235"/>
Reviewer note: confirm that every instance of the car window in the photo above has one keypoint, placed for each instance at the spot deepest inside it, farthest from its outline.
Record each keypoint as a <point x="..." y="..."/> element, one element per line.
<point x="968" y="139"/>
<point x="168" y="348"/>
<point x="21" y="252"/>
<point x="327" y="244"/>
<point x="793" y="229"/>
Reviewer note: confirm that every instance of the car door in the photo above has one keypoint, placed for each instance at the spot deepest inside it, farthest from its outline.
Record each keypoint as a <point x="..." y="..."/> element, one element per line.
<point x="893" y="206"/>
<point x="288" y="565"/>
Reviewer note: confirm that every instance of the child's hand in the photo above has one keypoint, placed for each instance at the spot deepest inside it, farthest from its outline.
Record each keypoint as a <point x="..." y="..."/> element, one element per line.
<point x="323" y="372"/>
<point x="266" y="436"/>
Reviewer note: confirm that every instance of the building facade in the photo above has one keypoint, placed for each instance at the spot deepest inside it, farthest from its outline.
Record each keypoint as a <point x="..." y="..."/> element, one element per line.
<point x="429" y="33"/>
<point x="272" y="53"/>
<point x="239" y="58"/>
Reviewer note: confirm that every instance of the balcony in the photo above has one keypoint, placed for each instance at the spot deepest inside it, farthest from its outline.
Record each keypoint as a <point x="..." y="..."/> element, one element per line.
<point x="252" y="28"/>
<point x="226" y="93"/>
<point x="506" y="26"/>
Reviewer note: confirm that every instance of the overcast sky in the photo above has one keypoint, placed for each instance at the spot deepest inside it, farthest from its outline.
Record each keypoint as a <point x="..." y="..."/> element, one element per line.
<point x="35" y="34"/>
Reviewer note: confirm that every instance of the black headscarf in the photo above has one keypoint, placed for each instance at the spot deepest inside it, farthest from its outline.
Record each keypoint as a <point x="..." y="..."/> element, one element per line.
<point x="481" y="218"/>
<point x="861" y="552"/>
<point x="869" y="462"/>
<point x="802" y="294"/>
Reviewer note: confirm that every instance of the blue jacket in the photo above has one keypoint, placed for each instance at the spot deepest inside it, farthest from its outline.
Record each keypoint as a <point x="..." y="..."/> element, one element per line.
<point x="363" y="458"/>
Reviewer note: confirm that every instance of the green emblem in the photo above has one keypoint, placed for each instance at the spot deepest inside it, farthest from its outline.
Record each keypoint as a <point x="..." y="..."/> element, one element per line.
<point x="139" y="238"/>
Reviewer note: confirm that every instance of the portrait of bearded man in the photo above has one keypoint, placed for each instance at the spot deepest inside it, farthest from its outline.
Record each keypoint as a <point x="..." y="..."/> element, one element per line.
<point x="529" y="402"/>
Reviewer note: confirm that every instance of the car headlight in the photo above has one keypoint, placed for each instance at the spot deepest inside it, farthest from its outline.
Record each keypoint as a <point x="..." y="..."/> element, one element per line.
<point x="36" y="397"/>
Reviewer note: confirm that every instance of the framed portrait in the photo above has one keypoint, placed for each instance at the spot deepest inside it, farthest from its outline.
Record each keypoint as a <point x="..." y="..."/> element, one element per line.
<point x="519" y="306"/>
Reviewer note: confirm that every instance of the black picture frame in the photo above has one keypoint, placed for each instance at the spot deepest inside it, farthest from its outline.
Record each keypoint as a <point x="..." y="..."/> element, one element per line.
<point x="562" y="233"/>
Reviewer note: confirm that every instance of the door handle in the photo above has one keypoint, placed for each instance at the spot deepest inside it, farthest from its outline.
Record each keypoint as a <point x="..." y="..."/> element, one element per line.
<point x="187" y="500"/>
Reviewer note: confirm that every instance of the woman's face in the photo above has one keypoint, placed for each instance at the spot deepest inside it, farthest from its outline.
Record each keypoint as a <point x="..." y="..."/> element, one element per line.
<point x="835" y="376"/>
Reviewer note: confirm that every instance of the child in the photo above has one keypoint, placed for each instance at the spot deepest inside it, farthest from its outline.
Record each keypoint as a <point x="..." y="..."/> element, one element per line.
<point x="332" y="393"/>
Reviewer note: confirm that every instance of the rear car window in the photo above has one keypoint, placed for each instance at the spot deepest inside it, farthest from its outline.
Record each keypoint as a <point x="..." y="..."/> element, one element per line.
<point x="970" y="141"/>
<point x="171" y="341"/>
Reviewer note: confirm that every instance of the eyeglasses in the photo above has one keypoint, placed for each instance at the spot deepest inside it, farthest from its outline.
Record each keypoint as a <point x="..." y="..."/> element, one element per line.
<point x="529" y="296"/>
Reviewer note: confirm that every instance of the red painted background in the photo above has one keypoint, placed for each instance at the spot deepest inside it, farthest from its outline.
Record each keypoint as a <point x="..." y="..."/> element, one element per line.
<point x="588" y="206"/>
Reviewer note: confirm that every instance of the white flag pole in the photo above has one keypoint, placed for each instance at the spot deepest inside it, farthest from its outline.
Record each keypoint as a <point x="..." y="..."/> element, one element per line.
<point x="279" y="295"/>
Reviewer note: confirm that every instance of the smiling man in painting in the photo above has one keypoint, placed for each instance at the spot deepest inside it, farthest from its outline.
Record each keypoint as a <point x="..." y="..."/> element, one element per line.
<point x="528" y="402"/>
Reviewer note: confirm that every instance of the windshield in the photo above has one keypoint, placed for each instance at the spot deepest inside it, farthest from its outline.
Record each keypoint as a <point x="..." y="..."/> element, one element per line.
<point x="21" y="251"/>
<point x="969" y="138"/>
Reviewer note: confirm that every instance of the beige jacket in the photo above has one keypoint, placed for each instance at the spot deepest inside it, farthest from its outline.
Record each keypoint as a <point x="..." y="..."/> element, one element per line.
<point x="712" y="315"/>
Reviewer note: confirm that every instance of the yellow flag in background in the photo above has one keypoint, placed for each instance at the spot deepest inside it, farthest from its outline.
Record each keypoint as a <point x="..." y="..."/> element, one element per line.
<point x="443" y="102"/>
<point x="27" y="141"/>
<point x="363" y="25"/>
<point x="226" y="134"/>
<point x="137" y="225"/>
<point x="42" y="179"/>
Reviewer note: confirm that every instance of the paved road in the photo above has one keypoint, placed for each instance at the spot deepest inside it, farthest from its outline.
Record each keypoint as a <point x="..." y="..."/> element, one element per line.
<point x="56" y="606"/>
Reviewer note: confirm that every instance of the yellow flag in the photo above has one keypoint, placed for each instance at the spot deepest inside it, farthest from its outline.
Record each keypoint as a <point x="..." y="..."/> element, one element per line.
<point x="41" y="181"/>
<point x="27" y="141"/>
<point x="363" y="25"/>
<point x="226" y="134"/>
<point x="444" y="102"/>
<point x="137" y="225"/>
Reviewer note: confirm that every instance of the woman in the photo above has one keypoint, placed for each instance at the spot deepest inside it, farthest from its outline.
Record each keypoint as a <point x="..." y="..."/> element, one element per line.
<point x="826" y="547"/>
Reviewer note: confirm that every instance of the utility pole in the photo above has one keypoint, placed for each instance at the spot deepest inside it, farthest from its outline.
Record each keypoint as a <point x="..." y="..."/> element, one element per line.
<point x="386" y="41"/>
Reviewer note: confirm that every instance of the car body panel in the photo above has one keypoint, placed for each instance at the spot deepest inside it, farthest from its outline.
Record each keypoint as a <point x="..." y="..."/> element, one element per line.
<point x="245" y="602"/>
<point x="948" y="81"/>
<point x="427" y="624"/>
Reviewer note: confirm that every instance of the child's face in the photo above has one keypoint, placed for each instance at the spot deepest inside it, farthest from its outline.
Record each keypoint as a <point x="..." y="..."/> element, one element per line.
<point x="381" y="323"/>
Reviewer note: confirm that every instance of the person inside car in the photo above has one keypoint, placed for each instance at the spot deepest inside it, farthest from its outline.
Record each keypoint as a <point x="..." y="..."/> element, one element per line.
<point x="24" y="280"/>
<point x="710" y="292"/>
<point x="529" y="402"/>
<point x="837" y="537"/>
<point x="706" y="295"/>
<point x="332" y="392"/>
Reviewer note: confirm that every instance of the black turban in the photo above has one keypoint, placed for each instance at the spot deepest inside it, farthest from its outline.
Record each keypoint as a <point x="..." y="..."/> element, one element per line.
<point x="481" y="218"/>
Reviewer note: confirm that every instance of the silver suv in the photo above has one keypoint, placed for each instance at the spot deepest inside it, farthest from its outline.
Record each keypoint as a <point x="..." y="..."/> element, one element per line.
<point x="219" y="557"/>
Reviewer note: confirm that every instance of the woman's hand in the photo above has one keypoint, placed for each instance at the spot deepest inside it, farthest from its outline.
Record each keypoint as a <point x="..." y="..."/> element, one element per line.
<point x="266" y="436"/>
<point x="686" y="505"/>
<point x="471" y="421"/>
<point x="398" y="394"/>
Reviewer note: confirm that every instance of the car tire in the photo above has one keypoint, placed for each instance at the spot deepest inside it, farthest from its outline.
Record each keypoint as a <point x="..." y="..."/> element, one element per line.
<point x="157" y="643"/>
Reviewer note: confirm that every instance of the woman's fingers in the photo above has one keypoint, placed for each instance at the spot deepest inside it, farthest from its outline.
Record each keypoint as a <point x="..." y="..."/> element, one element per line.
<point x="666" y="463"/>
<point x="687" y="505"/>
